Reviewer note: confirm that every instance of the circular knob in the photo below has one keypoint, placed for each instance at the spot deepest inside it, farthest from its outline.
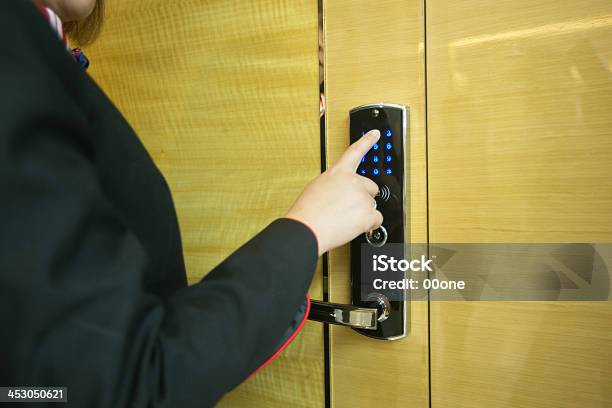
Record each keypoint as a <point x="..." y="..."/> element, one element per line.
<point x="381" y="303"/>
<point x="377" y="237"/>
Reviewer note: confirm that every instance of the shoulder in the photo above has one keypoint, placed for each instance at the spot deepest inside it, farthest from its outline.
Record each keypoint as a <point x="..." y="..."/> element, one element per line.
<point x="35" y="67"/>
<point x="29" y="42"/>
<point x="20" y="20"/>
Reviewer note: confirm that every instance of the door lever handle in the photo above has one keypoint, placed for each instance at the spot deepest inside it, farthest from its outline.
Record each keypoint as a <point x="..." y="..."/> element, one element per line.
<point x="350" y="315"/>
<point x="345" y="315"/>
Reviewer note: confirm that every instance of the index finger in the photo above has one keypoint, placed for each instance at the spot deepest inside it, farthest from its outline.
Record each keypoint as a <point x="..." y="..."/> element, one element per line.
<point x="352" y="156"/>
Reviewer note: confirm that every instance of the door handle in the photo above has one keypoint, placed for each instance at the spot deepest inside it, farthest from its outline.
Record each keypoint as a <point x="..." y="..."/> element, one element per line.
<point x="357" y="317"/>
<point x="345" y="315"/>
<point x="387" y="165"/>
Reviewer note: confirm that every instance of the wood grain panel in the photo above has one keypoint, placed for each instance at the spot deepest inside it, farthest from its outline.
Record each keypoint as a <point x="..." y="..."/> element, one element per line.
<point x="374" y="52"/>
<point x="520" y="150"/>
<point x="224" y="95"/>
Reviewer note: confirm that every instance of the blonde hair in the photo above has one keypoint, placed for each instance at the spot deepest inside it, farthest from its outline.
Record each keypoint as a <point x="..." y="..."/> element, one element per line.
<point x="85" y="31"/>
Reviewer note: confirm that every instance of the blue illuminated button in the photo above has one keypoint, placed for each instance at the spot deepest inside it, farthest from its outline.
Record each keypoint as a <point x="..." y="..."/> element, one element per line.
<point x="363" y="159"/>
<point x="388" y="133"/>
<point x="388" y="145"/>
<point x="375" y="147"/>
<point x="388" y="171"/>
<point x="388" y="159"/>
<point x="362" y="133"/>
<point x="362" y="171"/>
<point x="375" y="171"/>
<point x="375" y="159"/>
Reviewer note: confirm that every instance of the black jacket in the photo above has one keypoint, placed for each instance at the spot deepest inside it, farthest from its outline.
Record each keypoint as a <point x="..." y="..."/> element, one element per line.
<point x="93" y="292"/>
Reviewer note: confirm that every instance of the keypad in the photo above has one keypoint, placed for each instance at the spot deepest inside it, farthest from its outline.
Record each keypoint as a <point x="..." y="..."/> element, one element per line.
<point x="379" y="159"/>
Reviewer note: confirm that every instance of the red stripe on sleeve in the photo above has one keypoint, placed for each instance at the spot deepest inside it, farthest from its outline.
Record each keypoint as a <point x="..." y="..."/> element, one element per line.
<point x="287" y="342"/>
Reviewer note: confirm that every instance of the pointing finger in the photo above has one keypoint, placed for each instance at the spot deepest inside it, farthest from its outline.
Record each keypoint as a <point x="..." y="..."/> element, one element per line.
<point x="352" y="156"/>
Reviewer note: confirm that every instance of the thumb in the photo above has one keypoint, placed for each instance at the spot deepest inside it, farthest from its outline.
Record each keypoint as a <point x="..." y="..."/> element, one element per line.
<point x="352" y="156"/>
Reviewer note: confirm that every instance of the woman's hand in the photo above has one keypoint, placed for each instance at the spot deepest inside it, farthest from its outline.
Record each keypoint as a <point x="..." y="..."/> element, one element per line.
<point x="339" y="204"/>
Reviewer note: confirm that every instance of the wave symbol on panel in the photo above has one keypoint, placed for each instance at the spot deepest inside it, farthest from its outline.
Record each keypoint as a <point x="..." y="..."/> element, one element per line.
<point x="384" y="193"/>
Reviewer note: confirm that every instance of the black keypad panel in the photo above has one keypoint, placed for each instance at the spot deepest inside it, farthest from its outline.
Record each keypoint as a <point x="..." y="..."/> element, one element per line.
<point x="386" y="165"/>
<point x="381" y="159"/>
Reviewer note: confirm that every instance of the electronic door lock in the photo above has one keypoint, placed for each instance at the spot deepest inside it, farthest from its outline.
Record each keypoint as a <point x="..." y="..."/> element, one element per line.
<point x="386" y="164"/>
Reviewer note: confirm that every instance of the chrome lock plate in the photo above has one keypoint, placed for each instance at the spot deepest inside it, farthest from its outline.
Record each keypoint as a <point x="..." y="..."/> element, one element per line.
<point x="387" y="165"/>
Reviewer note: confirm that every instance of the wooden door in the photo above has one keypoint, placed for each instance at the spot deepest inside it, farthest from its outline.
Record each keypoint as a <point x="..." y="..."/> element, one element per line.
<point x="224" y="94"/>
<point x="520" y="150"/>
<point x="510" y="141"/>
<point x="374" y="52"/>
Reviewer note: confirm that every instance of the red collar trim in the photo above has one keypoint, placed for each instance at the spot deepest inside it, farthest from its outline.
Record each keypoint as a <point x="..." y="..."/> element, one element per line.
<point x="54" y="21"/>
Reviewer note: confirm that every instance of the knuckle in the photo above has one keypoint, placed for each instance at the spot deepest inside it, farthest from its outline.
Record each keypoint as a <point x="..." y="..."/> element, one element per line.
<point x="353" y="149"/>
<point x="353" y="178"/>
<point x="365" y="224"/>
<point x="379" y="218"/>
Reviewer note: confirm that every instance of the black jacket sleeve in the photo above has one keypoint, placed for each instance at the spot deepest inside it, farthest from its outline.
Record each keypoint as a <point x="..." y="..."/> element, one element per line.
<point x="74" y="309"/>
